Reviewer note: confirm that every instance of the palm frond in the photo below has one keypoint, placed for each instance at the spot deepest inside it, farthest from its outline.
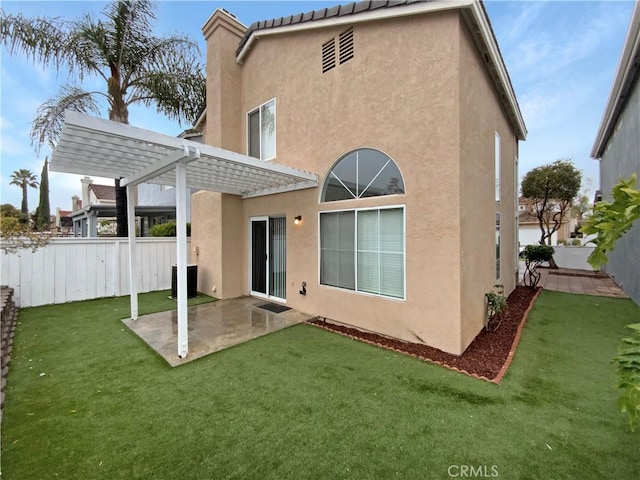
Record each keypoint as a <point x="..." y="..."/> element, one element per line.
<point x="43" y="40"/>
<point x="24" y="177"/>
<point x="172" y="79"/>
<point x="89" y="40"/>
<point x="49" y="120"/>
<point x="178" y="94"/>
<point x="130" y="26"/>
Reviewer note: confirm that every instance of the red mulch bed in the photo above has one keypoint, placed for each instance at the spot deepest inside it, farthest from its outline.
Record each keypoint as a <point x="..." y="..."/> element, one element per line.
<point x="487" y="357"/>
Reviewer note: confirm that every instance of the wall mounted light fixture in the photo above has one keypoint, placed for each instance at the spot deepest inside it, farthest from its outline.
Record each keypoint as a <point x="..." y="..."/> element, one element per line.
<point x="298" y="220"/>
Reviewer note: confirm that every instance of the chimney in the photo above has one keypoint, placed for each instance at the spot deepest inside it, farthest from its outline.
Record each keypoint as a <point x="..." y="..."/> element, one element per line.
<point x="86" y="181"/>
<point x="75" y="203"/>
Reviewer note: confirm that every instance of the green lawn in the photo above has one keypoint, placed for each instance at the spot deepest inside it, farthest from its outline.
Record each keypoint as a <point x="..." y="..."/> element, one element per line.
<point x="305" y="403"/>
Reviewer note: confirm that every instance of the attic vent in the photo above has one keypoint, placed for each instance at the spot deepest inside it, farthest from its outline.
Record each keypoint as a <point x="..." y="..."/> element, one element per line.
<point x="329" y="55"/>
<point x="345" y="42"/>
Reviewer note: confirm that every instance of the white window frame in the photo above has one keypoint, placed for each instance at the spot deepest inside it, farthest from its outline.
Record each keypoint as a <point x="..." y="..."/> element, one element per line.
<point x="497" y="166"/>
<point x="355" y="240"/>
<point x="356" y="150"/>
<point x="275" y="129"/>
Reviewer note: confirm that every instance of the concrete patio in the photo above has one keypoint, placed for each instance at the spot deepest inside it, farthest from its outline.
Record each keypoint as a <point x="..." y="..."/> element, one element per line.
<point x="583" y="282"/>
<point x="212" y="327"/>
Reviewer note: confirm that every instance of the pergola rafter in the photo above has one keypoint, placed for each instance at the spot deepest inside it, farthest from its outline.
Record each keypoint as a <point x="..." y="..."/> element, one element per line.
<point x="102" y="148"/>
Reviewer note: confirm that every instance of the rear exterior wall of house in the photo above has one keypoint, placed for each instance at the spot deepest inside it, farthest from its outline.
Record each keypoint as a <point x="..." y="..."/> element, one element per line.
<point x="405" y="93"/>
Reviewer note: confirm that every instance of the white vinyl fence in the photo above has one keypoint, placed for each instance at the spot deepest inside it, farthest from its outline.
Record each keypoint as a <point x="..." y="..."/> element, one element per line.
<point x="71" y="269"/>
<point x="573" y="257"/>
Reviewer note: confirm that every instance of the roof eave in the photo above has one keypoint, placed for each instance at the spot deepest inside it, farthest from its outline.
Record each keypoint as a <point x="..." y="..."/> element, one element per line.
<point x="626" y="72"/>
<point x="365" y="16"/>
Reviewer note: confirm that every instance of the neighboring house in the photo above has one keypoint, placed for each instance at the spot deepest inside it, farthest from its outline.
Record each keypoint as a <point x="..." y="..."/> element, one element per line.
<point x="62" y="220"/>
<point x="95" y="200"/>
<point x="617" y="146"/>
<point x="406" y="113"/>
<point x="529" y="232"/>
<point x="149" y="194"/>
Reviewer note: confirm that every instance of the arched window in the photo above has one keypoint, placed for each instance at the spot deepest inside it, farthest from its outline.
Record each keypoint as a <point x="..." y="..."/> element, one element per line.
<point x="360" y="174"/>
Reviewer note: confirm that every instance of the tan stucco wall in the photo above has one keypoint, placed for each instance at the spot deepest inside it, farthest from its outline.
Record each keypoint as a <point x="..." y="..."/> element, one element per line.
<point x="481" y="117"/>
<point x="397" y="95"/>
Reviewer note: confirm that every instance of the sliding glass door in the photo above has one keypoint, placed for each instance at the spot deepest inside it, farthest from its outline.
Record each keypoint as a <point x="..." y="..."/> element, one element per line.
<point x="268" y="262"/>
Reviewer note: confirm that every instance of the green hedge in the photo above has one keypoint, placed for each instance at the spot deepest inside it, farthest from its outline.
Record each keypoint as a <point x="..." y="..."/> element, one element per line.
<point x="167" y="230"/>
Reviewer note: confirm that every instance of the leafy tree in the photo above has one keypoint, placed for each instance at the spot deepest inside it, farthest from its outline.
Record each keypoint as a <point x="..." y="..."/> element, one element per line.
<point x="551" y="190"/>
<point x="8" y="210"/>
<point x="24" y="179"/>
<point x="121" y="49"/>
<point x="611" y="220"/>
<point x="43" y="212"/>
<point x="581" y="209"/>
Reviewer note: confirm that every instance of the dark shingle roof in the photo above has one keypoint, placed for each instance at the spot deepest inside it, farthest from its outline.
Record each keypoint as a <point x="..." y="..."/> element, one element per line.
<point x="104" y="192"/>
<point x="322" y="14"/>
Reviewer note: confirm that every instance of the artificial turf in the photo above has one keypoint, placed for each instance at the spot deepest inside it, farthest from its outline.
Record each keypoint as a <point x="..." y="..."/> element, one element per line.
<point x="305" y="403"/>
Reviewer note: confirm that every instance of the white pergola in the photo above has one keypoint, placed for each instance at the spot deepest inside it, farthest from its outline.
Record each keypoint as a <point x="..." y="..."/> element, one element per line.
<point x="102" y="148"/>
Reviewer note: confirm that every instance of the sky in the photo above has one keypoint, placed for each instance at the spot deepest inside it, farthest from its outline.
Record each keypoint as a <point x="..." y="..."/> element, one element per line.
<point x="561" y="57"/>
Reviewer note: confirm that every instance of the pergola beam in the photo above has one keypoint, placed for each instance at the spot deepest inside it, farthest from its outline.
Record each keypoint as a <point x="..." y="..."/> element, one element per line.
<point x="162" y="166"/>
<point x="97" y="147"/>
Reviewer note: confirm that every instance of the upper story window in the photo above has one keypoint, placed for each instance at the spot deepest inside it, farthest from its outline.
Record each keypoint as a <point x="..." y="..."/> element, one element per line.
<point x="360" y="174"/>
<point x="261" y="131"/>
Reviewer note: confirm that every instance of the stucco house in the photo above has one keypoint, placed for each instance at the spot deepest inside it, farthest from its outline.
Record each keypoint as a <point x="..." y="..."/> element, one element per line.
<point x="406" y="113"/>
<point x="529" y="225"/>
<point x="617" y="147"/>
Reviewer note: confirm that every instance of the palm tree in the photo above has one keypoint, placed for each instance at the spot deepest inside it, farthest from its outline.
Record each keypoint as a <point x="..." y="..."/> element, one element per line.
<point x="24" y="178"/>
<point x="137" y="67"/>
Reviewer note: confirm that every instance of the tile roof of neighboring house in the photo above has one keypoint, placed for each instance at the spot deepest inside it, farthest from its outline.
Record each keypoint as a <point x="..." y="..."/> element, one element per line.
<point x="64" y="213"/>
<point x="475" y="13"/>
<point x="104" y="192"/>
<point x="526" y="217"/>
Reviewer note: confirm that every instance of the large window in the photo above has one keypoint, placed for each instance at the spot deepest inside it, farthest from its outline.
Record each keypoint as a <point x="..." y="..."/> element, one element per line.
<point x="362" y="173"/>
<point x="261" y="131"/>
<point x="363" y="250"/>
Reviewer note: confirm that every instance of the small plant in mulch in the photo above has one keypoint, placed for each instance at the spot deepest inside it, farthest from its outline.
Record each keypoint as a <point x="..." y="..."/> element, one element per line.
<point x="534" y="256"/>
<point x="496" y="304"/>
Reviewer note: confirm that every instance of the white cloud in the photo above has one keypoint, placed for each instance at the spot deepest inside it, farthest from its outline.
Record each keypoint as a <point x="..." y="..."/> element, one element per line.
<point x="524" y="21"/>
<point x="549" y="45"/>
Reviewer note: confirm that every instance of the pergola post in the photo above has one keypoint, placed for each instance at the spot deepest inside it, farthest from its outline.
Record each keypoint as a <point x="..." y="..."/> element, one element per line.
<point x="181" y="235"/>
<point x="133" y="271"/>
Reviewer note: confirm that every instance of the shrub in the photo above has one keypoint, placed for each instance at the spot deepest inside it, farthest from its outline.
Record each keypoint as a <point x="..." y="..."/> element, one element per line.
<point x="167" y="229"/>
<point x="16" y="234"/>
<point x="562" y="242"/>
<point x="533" y="256"/>
<point x="628" y="362"/>
<point x="496" y="303"/>
<point x="575" y="242"/>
